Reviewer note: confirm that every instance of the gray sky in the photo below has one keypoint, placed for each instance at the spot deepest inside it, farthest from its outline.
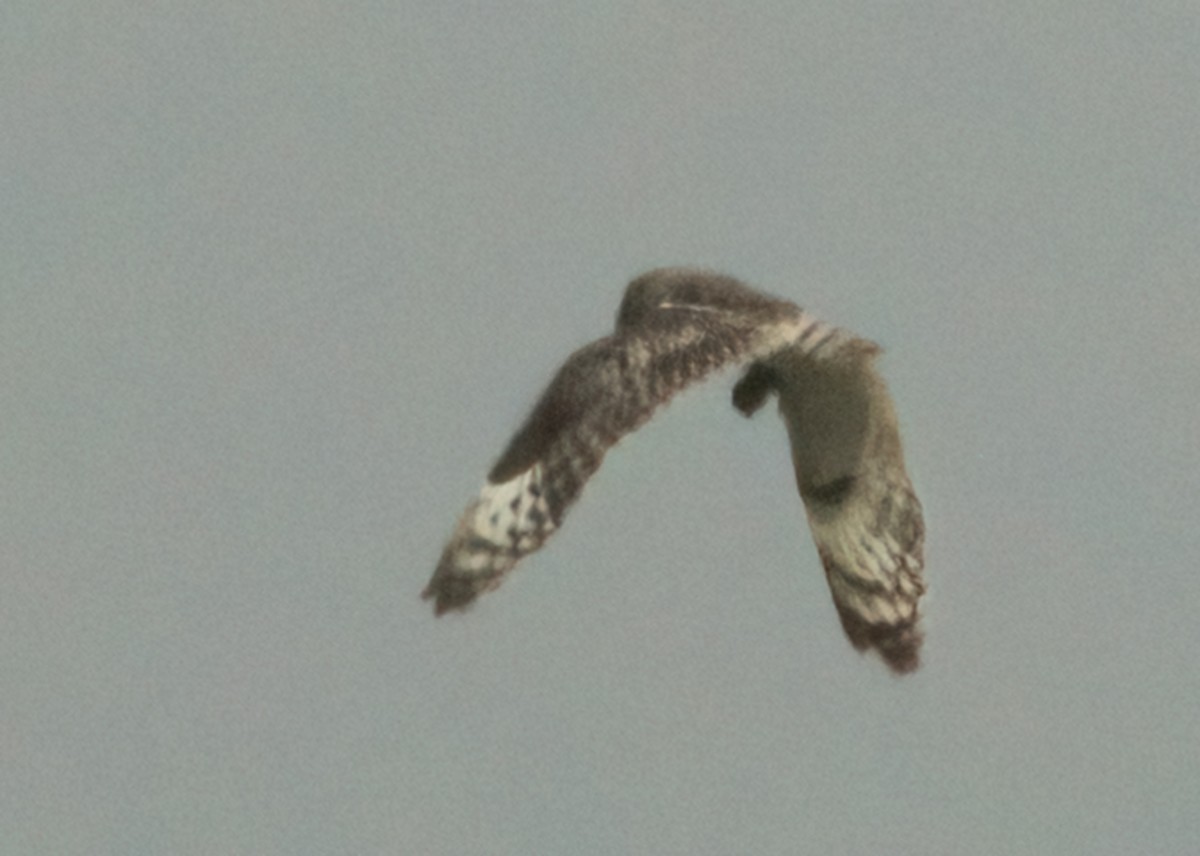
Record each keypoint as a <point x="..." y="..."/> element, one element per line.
<point x="277" y="281"/>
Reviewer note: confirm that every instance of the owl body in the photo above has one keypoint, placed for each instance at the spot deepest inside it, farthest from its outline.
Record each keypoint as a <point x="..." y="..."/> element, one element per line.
<point x="676" y="326"/>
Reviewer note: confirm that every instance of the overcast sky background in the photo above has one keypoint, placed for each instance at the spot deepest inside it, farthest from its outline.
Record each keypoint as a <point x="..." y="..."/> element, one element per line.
<point x="278" y="280"/>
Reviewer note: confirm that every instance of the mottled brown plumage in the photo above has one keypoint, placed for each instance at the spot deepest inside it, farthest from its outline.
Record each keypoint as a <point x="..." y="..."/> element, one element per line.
<point x="676" y="326"/>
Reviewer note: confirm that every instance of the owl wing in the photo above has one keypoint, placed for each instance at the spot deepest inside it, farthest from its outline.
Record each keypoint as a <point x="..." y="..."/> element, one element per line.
<point x="604" y="391"/>
<point x="849" y="466"/>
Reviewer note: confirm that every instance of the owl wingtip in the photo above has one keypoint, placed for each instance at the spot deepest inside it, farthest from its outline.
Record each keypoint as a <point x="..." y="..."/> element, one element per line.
<point x="447" y="596"/>
<point x="898" y="645"/>
<point x="902" y="662"/>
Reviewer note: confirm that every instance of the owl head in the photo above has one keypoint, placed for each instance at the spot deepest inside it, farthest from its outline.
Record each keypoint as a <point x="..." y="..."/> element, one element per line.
<point x="674" y="288"/>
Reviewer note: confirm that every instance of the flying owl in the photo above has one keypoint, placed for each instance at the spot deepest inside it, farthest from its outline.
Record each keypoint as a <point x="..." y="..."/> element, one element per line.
<point x="676" y="326"/>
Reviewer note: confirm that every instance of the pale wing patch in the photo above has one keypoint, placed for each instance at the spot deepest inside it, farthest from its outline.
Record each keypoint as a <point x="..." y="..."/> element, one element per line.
<point x="514" y="514"/>
<point x="863" y="570"/>
<point x="505" y="523"/>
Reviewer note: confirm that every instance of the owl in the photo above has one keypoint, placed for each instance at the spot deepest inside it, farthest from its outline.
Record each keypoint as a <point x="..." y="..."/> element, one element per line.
<point x="677" y="326"/>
